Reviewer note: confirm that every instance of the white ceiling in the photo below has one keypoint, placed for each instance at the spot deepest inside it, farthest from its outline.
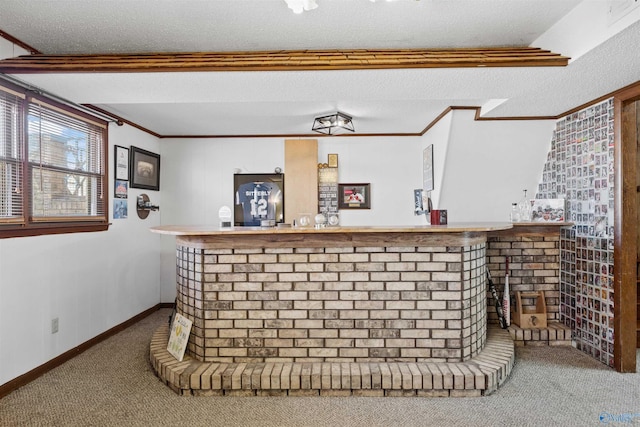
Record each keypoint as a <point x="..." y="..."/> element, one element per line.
<point x="604" y="49"/>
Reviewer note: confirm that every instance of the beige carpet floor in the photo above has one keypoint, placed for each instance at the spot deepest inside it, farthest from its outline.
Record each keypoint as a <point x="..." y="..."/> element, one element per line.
<point x="112" y="384"/>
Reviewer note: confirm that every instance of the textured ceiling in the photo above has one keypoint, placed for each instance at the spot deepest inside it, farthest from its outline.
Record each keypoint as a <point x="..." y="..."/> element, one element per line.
<point x="280" y="103"/>
<point x="126" y="26"/>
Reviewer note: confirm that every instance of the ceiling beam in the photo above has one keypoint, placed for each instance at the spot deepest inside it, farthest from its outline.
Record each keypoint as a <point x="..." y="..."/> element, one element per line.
<point x="285" y="60"/>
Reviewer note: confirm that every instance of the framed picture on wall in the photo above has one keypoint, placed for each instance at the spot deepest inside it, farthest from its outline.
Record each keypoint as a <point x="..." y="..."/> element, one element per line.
<point x="121" y="163"/>
<point x="427" y="168"/>
<point x="258" y="197"/>
<point x="332" y="160"/>
<point x="120" y="208"/>
<point x="144" y="169"/>
<point x="354" y="196"/>
<point x="121" y="189"/>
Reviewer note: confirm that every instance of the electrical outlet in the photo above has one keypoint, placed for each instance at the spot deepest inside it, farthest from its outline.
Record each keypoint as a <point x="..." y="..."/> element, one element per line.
<point x="54" y="325"/>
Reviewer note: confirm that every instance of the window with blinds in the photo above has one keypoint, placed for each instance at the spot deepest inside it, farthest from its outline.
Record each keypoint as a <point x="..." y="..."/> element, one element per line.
<point x="65" y="164"/>
<point x="11" y="176"/>
<point x="52" y="166"/>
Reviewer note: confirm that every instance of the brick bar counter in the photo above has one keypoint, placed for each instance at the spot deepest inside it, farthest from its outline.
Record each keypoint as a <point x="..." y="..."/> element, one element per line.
<point x="344" y="296"/>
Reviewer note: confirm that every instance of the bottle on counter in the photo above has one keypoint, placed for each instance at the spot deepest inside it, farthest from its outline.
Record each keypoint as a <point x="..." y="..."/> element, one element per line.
<point x="524" y="208"/>
<point x="515" y="214"/>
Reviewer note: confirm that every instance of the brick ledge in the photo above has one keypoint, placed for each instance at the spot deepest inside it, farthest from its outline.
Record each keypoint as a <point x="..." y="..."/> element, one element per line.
<point x="479" y="376"/>
<point x="555" y="334"/>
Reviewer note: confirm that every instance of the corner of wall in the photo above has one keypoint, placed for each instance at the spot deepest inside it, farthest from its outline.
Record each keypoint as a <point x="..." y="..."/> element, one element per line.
<point x="10" y="50"/>
<point x="438" y="136"/>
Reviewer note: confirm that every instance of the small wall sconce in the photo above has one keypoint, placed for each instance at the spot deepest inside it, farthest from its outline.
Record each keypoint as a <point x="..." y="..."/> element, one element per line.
<point x="144" y="206"/>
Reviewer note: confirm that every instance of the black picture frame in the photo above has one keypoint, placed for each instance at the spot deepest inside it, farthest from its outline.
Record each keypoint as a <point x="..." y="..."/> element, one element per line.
<point x="121" y="163"/>
<point x="354" y="196"/>
<point x="144" y="169"/>
<point x="251" y="209"/>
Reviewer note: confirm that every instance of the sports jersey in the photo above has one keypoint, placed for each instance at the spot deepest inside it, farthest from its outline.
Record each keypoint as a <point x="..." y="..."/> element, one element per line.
<point x="258" y="201"/>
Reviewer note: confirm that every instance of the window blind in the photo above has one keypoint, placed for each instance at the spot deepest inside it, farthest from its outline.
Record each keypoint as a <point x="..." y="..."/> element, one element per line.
<point x="66" y="161"/>
<point x="11" y="156"/>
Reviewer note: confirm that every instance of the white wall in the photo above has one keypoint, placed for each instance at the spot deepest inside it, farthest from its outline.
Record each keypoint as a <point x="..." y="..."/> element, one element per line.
<point x="393" y="167"/>
<point x="10" y="50"/>
<point x="488" y="165"/>
<point x="90" y="281"/>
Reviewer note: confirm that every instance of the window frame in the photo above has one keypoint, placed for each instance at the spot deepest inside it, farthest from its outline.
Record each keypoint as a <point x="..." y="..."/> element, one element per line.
<point x="29" y="225"/>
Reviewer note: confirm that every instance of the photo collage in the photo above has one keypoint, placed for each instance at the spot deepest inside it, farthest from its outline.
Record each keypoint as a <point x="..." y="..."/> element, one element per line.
<point x="579" y="168"/>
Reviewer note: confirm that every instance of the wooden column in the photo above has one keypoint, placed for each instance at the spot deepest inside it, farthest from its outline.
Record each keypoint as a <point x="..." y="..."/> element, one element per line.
<point x="300" y="178"/>
<point x="625" y="234"/>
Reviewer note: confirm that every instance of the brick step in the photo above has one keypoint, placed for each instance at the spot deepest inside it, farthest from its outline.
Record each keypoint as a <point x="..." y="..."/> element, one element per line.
<point x="555" y="334"/>
<point x="481" y="375"/>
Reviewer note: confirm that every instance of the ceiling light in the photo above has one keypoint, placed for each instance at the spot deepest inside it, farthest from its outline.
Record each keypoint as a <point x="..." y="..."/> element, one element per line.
<point x="299" y="6"/>
<point x="333" y="124"/>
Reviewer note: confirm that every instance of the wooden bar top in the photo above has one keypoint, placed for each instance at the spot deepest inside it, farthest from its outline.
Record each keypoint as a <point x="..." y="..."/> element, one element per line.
<point x="210" y="237"/>
<point x="456" y="234"/>
<point x="207" y="230"/>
